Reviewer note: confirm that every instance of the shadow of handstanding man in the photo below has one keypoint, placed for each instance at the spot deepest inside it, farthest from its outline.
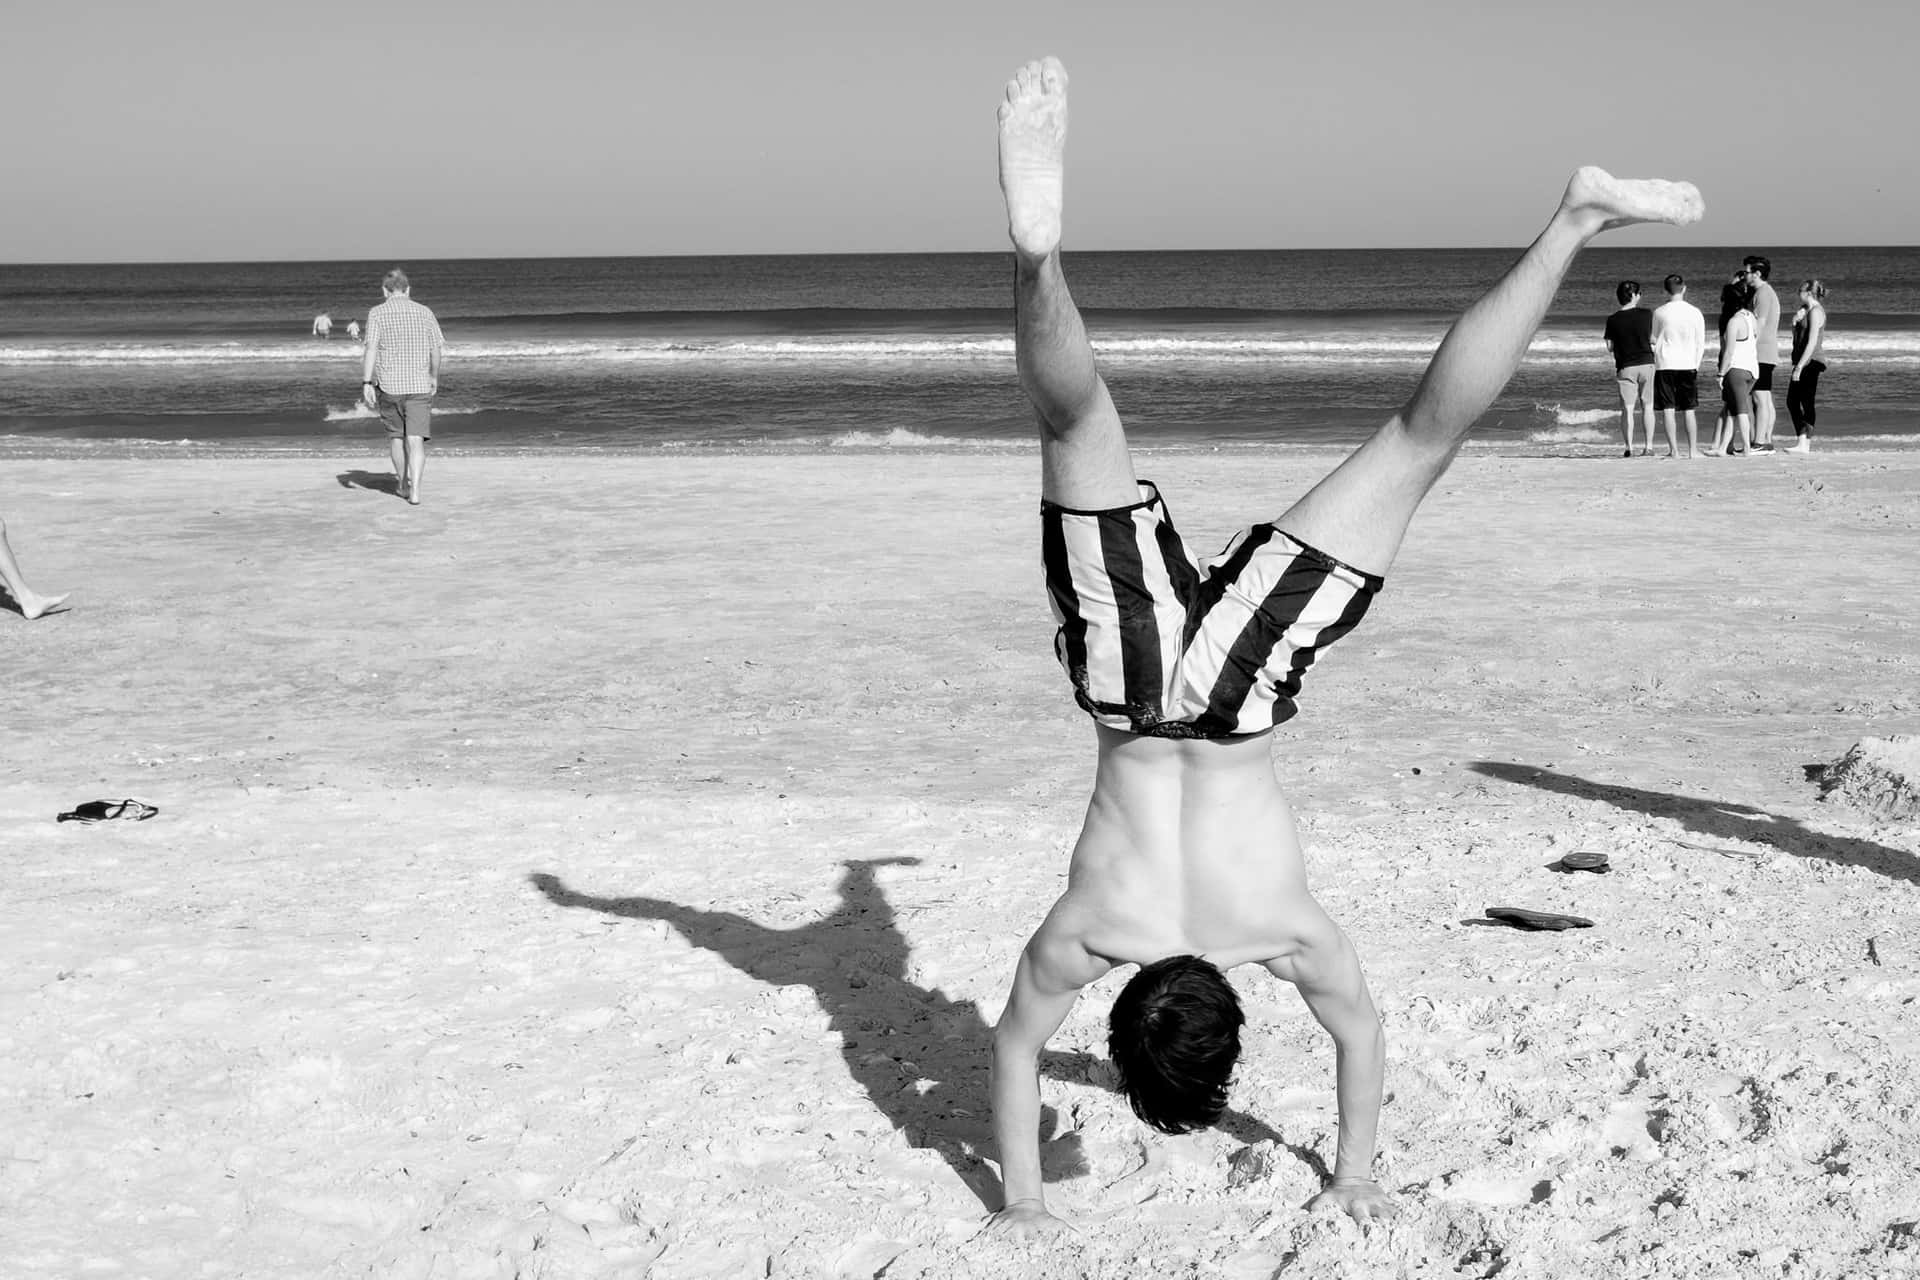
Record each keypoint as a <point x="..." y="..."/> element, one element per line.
<point x="919" y="1055"/>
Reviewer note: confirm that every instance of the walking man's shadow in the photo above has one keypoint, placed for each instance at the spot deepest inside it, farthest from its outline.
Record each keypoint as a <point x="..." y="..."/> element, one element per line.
<point x="378" y="481"/>
<point x="921" y="1057"/>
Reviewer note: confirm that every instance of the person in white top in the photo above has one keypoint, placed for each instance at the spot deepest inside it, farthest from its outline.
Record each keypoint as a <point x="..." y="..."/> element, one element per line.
<point x="323" y="325"/>
<point x="1679" y="345"/>
<point x="1739" y="368"/>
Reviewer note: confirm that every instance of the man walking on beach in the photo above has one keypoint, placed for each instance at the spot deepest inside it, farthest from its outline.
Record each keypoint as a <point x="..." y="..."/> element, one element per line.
<point x="1188" y="862"/>
<point x="1679" y="345"/>
<point x="400" y="372"/>
<point x="1629" y="338"/>
<point x="1766" y="317"/>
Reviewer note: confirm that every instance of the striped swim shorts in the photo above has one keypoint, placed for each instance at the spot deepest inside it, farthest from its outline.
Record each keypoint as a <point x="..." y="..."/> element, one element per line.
<point x="1159" y="644"/>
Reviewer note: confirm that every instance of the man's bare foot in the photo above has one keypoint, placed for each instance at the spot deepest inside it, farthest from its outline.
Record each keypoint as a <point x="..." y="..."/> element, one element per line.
<point x="32" y="606"/>
<point x="1033" y="155"/>
<point x="1602" y="202"/>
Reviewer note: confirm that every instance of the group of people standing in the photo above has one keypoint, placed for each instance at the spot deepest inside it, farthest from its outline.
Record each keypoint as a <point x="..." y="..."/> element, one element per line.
<point x="1657" y="356"/>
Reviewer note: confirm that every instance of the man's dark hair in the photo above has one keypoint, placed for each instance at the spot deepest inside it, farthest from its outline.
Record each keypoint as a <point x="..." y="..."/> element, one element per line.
<point x="396" y="281"/>
<point x="1174" y="1036"/>
<point x="1674" y="282"/>
<point x="1760" y="264"/>
<point x="1627" y="291"/>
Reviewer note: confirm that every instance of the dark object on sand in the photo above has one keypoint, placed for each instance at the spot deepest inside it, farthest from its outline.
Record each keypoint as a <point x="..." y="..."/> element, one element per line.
<point x="108" y="811"/>
<point x="1585" y="860"/>
<point x="1521" y="918"/>
<point x="1880" y="776"/>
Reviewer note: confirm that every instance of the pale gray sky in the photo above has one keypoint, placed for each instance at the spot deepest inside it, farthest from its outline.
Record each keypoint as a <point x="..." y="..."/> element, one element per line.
<point x="232" y="129"/>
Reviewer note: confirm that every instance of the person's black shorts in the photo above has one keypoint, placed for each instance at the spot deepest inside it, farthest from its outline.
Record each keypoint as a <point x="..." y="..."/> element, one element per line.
<point x="1765" y="381"/>
<point x="1676" y="389"/>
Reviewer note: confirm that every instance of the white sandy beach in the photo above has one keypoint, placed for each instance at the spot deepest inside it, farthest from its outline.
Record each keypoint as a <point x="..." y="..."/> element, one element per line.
<point x="612" y="867"/>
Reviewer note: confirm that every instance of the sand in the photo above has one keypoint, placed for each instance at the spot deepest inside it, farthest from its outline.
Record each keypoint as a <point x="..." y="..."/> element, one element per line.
<point x="611" y="868"/>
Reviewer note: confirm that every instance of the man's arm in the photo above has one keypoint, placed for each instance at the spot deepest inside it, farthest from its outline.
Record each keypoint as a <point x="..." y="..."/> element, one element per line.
<point x="1045" y="985"/>
<point x="1326" y="972"/>
<point x="433" y="357"/>
<point x="366" y="362"/>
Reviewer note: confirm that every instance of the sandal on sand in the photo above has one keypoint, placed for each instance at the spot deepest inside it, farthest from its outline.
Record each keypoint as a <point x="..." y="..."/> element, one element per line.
<point x="108" y="810"/>
<point x="1584" y="860"/>
<point x="1521" y="918"/>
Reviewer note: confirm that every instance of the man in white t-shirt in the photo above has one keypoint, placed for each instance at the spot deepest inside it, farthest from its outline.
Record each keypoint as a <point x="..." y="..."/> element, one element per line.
<point x="1679" y="345"/>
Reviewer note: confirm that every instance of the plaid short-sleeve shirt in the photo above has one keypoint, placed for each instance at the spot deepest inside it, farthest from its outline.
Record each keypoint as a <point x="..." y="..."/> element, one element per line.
<point x="407" y="338"/>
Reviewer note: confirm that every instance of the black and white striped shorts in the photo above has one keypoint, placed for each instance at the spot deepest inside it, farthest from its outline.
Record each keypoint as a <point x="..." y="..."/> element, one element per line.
<point x="1157" y="643"/>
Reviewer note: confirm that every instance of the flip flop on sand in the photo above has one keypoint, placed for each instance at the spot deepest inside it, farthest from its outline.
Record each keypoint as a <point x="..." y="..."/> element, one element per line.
<point x="1521" y="918"/>
<point x="109" y="810"/>
<point x="1584" y="860"/>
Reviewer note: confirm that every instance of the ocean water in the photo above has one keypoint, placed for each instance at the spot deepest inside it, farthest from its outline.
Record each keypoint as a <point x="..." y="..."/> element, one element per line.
<point x="892" y="351"/>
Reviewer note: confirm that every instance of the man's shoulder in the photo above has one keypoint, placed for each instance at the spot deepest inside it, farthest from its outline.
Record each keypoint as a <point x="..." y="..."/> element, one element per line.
<point x="1058" y="950"/>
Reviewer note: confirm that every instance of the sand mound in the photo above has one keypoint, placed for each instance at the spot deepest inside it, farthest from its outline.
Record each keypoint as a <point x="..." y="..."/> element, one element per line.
<point x="1879" y="775"/>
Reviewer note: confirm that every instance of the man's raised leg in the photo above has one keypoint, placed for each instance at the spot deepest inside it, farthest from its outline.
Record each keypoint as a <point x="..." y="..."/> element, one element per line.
<point x="1084" y="462"/>
<point x="1359" y="513"/>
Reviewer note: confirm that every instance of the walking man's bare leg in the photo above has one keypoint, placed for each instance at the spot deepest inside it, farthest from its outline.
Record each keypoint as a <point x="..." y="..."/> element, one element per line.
<point x="1360" y="513"/>
<point x="30" y="602"/>
<point x="416" y="467"/>
<point x="1084" y="464"/>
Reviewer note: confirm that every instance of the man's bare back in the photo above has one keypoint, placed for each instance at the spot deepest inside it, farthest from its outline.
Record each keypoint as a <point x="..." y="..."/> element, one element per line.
<point x="1189" y="848"/>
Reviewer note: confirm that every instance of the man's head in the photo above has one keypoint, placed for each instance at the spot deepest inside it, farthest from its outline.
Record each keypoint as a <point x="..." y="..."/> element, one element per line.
<point x="1759" y="266"/>
<point x="1628" y="292"/>
<point x="1174" y="1036"/>
<point x="396" y="282"/>
<point x="1676" y="284"/>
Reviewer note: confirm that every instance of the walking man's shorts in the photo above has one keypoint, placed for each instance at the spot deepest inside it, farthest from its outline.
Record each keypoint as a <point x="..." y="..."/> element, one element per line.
<point x="406" y="415"/>
<point x="1157" y="643"/>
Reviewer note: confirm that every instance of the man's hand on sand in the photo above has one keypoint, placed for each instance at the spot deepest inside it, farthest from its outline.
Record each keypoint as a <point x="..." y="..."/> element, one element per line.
<point x="1027" y="1220"/>
<point x="1363" y="1201"/>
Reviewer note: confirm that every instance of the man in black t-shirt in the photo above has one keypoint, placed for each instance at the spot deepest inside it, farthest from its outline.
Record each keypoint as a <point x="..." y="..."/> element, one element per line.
<point x="1629" y="337"/>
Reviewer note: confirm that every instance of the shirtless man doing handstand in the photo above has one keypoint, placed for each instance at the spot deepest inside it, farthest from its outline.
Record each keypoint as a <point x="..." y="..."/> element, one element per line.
<point x="1188" y="862"/>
